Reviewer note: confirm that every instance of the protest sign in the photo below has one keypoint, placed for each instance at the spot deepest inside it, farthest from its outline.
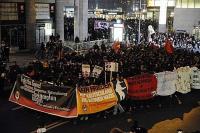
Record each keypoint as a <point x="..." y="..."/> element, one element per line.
<point x="94" y="98"/>
<point x="47" y="98"/>
<point x="142" y="87"/>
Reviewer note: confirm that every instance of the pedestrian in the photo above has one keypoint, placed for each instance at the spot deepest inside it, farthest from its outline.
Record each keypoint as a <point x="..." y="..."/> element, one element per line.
<point x="116" y="130"/>
<point x="3" y="45"/>
<point x="7" y="52"/>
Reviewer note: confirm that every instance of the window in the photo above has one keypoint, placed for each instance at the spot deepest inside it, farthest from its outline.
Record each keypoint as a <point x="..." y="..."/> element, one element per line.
<point x="8" y="11"/>
<point x="178" y="3"/>
<point x="190" y="3"/>
<point x="184" y="3"/>
<point x="197" y="3"/>
<point x="171" y="3"/>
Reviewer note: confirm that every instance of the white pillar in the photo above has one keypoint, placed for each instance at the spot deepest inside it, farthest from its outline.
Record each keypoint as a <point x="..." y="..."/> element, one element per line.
<point x="163" y="15"/>
<point x="139" y="25"/>
<point x="60" y="18"/>
<point x="30" y="24"/>
<point x="81" y="19"/>
<point x="0" y="33"/>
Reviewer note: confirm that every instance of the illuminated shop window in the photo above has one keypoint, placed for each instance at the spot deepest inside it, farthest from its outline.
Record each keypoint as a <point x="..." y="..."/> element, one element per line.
<point x="197" y="3"/>
<point x="171" y="3"/>
<point x="184" y="3"/>
<point x="178" y="3"/>
<point x="190" y="3"/>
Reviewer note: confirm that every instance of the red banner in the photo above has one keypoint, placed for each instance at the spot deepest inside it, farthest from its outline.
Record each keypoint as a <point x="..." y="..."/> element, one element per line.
<point x="142" y="87"/>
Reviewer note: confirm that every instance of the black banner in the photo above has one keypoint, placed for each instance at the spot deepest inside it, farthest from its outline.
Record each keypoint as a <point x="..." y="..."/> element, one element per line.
<point x="45" y="97"/>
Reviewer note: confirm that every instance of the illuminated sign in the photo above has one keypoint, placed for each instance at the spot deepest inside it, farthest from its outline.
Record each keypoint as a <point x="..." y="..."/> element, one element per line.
<point x="42" y="11"/>
<point x="118" y="32"/>
<point x="153" y="3"/>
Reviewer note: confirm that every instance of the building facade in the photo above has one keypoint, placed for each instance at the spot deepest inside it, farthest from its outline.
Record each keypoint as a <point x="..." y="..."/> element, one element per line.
<point x="187" y="16"/>
<point x="23" y="25"/>
<point x="27" y="23"/>
<point x="175" y="15"/>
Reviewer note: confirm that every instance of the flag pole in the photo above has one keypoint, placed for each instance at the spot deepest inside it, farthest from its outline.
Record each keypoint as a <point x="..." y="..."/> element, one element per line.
<point x="139" y="25"/>
<point x="110" y="76"/>
<point x="105" y="77"/>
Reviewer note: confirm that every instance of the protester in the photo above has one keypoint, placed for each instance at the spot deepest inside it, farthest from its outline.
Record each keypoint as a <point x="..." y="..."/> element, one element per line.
<point x="2" y="51"/>
<point x="7" y="52"/>
<point x="116" y="130"/>
<point x="3" y="73"/>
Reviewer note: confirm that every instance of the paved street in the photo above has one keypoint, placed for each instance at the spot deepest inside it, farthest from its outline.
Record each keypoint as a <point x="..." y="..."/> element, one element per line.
<point x="22" y="59"/>
<point x="14" y="118"/>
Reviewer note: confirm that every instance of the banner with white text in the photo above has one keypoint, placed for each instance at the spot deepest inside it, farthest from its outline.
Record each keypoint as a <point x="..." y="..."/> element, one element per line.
<point x="95" y="98"/>
<point x="43" y="97"/>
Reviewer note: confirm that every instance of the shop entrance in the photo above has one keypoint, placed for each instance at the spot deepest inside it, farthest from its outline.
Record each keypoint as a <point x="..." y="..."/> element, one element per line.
<point x="13" y="35"/>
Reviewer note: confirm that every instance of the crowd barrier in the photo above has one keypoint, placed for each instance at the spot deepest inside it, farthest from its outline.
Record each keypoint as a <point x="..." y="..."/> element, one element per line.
<point x="85" y="45"/>
<point x="70" y="102"/>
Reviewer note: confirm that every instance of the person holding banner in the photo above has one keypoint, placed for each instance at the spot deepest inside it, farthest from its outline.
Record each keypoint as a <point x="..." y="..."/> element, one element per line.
<point x="120" y="87"/>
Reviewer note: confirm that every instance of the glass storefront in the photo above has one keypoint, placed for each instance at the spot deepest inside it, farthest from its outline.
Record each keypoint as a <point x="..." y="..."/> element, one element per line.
<point x="187" y="3"/>
<point x="154" y="8"/>
<point x="14" y="35"/>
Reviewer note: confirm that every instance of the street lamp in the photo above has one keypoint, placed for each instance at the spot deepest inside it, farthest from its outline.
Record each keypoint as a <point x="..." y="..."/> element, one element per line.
<point x="139" y="25"/>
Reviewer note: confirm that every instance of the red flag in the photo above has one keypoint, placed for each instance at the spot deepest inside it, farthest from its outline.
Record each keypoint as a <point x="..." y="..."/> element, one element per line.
<point x="169" y="47"/>
<point x="116" y="46"/>
<point x="31" y="74"/>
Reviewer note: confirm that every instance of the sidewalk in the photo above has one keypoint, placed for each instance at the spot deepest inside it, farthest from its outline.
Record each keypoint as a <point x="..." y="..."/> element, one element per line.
<point x="22" y="59"/>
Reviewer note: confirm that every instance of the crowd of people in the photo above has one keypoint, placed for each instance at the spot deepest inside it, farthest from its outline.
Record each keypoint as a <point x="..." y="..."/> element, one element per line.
<point x="133" y="60"/>
<point x="52" y="48"/>
<point x="131" y="26"/>
<point x="66" y="68"/>
<point x="69" y="28"/>
<point x="179" y="40"/>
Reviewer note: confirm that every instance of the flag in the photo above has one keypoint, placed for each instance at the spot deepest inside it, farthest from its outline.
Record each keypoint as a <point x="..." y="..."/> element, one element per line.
<point x="168" y="46"/>
<point x="130" y="27"/>
<point x="116" y="46"/>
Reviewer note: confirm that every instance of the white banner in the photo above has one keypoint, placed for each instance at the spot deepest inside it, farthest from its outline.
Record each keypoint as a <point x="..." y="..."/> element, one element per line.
<point x="183" y="80"/>
<point x="85" y="70"/>
<point x="195" y="78"/>
<point x="166" y="83"/>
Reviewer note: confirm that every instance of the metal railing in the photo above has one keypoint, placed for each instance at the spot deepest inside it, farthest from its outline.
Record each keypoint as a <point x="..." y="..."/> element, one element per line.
<point x="85" y="45"/>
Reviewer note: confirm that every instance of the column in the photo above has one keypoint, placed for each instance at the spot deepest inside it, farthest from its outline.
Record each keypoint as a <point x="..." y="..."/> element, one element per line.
<point x="30" y="24"/>
<point x="0" y="34"/>
<point x="81" y="19"/>
<point x="163" y="16"/>
<point x="60" y="18"/>
<point x="60" y="4"/>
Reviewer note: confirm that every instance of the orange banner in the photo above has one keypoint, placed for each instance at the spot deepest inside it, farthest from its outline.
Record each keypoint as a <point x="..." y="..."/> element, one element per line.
<point x="92" y="99"/>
